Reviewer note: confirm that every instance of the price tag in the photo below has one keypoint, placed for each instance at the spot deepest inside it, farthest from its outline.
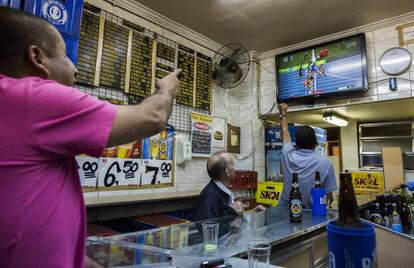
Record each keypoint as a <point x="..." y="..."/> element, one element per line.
<point x="118" y="172"/>
<point x="88" y="170"/>
<point x="156" y="171"/>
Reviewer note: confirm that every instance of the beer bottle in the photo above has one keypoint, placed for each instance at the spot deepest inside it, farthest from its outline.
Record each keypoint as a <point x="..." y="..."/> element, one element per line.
<point x="395" y="218"/>
<point x="295" y="200"/>
<point x="318" y="184"/>
<point x="347" y="206"/>
<point x="376" y="216"/>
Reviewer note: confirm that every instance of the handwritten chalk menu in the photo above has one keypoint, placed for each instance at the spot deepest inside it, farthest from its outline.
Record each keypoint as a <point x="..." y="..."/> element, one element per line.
<point x="186" y="63"/>
<point x="132" y="99"/>
<point x="165" y="52"/>
<point x="203" y="82"/>
<point x="162" y="70"/>
<point x="201" y="126"/>
<point x="109" y="45"/>
<point x="88" y="48"/>
<point x="141" y="65"/>
<point x="114" y="55"/>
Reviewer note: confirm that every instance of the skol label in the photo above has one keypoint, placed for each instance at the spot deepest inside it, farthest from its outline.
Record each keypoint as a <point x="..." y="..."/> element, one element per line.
<point x="269" y="192"/>
<point x="368" y="182"/>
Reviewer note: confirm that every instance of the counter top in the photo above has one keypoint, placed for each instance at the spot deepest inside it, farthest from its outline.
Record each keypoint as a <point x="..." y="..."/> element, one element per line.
<point x="272" y="226"/>
<point x="180" y="241"/>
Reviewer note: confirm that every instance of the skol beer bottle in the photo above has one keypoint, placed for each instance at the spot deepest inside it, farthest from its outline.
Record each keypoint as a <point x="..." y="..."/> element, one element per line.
<point x="348" y="207"/>
<point x="295" y="200"/>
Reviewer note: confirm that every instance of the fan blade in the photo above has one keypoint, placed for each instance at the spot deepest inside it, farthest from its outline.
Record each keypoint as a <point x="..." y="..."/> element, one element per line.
<point x="236" y="53"/>
<point x="237" y="75"/>
<point x="224" y="62"/>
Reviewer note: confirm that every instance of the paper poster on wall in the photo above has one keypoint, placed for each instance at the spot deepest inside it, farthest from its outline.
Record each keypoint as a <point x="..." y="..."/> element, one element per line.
<point x="157" y="158"/>
<point x="118" y="173"/>
<point x="219" y="132"/>
<point x="233" y="139"/>
<point x="201" y="128"/>
<point x="405" y="34"/>
<point x="88" y="172"/>
<point x="129" y="150"/>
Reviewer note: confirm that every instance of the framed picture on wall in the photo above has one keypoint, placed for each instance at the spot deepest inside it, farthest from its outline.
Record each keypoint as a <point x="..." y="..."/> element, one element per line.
<point x="233" y="139"/>
<point x="405" y="34"/>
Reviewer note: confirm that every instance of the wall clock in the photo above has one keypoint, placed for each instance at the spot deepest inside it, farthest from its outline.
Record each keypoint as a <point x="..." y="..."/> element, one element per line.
<point x="395" y="61"/>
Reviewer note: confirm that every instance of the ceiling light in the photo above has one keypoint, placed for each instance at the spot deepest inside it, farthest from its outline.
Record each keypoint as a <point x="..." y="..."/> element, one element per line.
<point x="335" y="120"/>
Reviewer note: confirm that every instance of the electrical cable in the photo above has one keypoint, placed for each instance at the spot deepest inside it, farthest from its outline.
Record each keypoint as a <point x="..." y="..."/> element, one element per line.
<point x="225" y="106"/>
<point x="260" y="136"/>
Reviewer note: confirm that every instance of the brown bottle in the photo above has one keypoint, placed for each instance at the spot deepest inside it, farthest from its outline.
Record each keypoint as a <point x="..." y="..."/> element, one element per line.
<point x="318" y="184"/>
<point x="295" y="200"/>
<point x="348" y="207"/>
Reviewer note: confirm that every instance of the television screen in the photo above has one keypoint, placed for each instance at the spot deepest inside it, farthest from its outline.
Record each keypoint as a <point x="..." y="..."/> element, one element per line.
<point x="330" y="68"/>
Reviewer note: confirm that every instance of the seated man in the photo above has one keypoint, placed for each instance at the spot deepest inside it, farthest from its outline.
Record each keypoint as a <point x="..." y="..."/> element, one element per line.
<point x="216" y="200"/>
<point x="304" y="161"/>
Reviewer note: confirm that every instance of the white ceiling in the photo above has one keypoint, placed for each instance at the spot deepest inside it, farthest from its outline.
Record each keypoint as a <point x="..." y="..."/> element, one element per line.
<point x="263" y="25"/>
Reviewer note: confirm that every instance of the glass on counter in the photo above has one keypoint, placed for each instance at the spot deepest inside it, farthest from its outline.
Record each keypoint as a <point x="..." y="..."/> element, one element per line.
<point x="258" y="254"/>
<point x="210" y="235"/>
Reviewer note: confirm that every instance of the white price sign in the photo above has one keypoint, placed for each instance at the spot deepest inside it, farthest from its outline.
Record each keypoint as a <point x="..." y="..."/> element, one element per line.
<point x="156" y="171"/>
<point x="118" y="172"/>
<point x="88" y="170"/>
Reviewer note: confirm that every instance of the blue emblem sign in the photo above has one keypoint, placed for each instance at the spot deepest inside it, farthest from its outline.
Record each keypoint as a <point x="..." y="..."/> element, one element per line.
<point x="55" y="12"/>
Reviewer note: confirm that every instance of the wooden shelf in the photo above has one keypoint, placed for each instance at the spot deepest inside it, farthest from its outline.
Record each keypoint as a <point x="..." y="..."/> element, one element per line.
<point x="138" y="198"/>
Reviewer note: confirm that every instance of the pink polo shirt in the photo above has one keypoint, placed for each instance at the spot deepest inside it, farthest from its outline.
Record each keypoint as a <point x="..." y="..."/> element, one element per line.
<point x="43" y="125"/>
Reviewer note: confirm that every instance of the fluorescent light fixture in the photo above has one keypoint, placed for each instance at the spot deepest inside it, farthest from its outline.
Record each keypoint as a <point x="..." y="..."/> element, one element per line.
<point x="335" y="120"/>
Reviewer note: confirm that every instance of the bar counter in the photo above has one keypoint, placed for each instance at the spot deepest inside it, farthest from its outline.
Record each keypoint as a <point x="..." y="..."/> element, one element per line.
<point x="184" y="243"/>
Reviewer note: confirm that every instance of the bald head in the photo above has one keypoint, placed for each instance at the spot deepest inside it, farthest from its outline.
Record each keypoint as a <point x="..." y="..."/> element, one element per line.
<point x="19" y="31"/>
<point x="220" y="166"/>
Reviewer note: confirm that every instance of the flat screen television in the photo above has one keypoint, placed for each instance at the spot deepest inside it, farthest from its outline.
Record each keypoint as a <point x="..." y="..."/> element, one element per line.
<point x="335" y="67"/>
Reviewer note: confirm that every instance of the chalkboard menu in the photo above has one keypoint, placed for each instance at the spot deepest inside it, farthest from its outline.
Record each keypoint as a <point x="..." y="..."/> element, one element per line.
<point x="141" y="65"/>
<point x="203" y="84"/>
<point x="162" y="70"/>
<point x="88" y="48"/>
<point x="159" y="74"/>
<point x="195" y="82"/>
<point x="114" y="54"/>
<point x="165" y="52"/>
<point x="201" y="134"/>
<point x="132" y="99"/>
<point x="115" y="101"/>
<point x="186" y="63"/>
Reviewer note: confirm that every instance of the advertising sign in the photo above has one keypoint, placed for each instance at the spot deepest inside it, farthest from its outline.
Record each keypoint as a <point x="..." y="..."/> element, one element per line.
<point x="367" y="182"/>
<point x="201" y="126"/>
<point x="269" y="192"/>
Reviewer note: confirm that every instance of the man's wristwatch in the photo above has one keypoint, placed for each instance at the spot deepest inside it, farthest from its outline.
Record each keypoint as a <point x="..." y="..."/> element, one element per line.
<point x="281" y="116"/>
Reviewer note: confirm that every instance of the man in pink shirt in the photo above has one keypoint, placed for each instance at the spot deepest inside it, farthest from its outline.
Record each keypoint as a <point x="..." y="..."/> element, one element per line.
<point x="44" y="123"/>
